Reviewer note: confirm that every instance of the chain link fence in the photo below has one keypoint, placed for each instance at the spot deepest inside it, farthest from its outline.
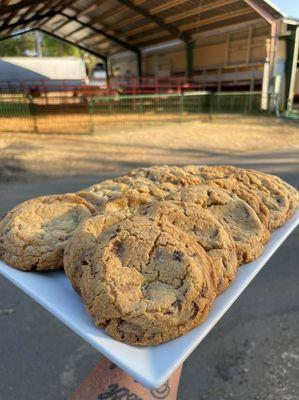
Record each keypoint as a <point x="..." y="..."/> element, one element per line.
<point x="84" y="115"/>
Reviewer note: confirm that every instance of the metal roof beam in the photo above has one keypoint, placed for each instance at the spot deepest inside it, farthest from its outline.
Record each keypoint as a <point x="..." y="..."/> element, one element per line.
<point x="155" y="10"/>
<point x="218" y="18"/>
<point x="63" y="39"/>
<point x="199" y="9"/>
<point x="17" y="6"/>
<point x="95" y="53"/>
<point x="57" y="5"/>
<point x="29" y="11"/>
<point x="27" y="21"/>
<point x="75" y="31"/>
<point x="89" y="8"/>
<point x="17" y="34"/>
<point x="114" y="39"/>
<point x="117" y="10"/>
<point x="174" y="31"/>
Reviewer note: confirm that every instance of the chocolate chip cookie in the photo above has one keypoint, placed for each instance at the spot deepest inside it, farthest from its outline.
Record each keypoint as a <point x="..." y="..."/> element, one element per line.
<point x="207" y="230"/>
<point x="34" y="234"/>
<point x="272" y="195"/>
<point x="238" y="217"/>
<point x="146" y="281"/>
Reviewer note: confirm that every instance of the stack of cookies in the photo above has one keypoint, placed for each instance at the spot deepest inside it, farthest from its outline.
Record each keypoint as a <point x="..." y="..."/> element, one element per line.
<point x="149" y="251"/>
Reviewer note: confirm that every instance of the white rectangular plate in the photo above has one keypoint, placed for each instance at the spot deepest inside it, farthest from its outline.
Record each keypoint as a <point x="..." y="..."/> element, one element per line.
<point x="151" y="365"/>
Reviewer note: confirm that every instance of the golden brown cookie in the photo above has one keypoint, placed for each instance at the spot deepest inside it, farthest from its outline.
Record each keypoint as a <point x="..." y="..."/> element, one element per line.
<point x="34" y="234"/>
<point x="291" y="192"/>
<point x="99" y="193"/>
<point x="207" y="230"/>
<point x="264" y="186"/>
<point x="161" y="174"/>
<point x="83" y="244"/>
<point x="146" y="281"/>
<point x="197" y="175"/>
<point x="241" y="220"/>
<point x="239" y="189"/>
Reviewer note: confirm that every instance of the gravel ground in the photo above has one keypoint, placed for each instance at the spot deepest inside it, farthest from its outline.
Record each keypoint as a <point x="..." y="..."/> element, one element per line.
<point x="252" y="353"/>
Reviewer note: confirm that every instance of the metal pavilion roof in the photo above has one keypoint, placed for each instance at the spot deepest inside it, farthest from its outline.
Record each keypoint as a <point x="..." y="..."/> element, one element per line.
<point x="105" y="27"/>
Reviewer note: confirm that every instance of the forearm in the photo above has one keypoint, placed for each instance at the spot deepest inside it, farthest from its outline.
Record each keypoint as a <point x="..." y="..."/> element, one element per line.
<point x="108" y="382"/>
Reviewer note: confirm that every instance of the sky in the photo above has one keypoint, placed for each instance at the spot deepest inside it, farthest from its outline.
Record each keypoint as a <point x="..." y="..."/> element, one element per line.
<point x="289" y="7"/>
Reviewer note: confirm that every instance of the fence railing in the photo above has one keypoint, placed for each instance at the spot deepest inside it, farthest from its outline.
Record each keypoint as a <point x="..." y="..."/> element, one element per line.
<point x="97" y="114"/>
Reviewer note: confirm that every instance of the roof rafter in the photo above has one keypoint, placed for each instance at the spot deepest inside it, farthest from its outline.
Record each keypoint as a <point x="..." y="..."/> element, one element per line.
<point x="27" y="21"/>
<point x="17" y="6"/>
<point x="199" y="9"/>
<point x="63" y="39"/>
<point x="8" y="19"/>
<point x="171" y="29"/>
<point x="57" y="5"/>
<point x="185" y="14"/>
<point x="95" y="53"/>
<point x="217" y="18"/>
<point x="116" y="10"/>
<point x="153" y="11"/>
<point x="30" y="10"/>
<point x="89" y="8"/>
<point x="16" y="34"/>
<point x="259" y="10"/>
<point x="114" y="39"/>
<point x="75" y="31"/>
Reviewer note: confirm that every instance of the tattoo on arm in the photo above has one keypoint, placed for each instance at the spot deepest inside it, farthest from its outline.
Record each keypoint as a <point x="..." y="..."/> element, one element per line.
<point x="162" y="392"/>
<point x="115" y="392"/>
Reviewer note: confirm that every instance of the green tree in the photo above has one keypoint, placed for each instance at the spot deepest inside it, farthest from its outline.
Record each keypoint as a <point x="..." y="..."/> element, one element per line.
<point x="17" y="46"/>
<point x="51" y="47"/>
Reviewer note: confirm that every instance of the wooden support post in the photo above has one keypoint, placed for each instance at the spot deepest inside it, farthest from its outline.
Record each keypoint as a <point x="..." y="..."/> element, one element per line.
<point x="227" y="48"/>
<point x="139" y="64"/>
<point x="107" y="74"/>
<point x="189" y="59"/>
<point x="219" y="80"/>
<point x="294" y="70"/>
<point x="248" y="50"/>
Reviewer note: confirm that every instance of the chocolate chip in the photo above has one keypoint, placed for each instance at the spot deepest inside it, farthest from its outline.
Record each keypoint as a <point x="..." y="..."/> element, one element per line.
<point x="168" y="312"/>
<point x="178" y="255"/>
<point x="215" y="233"/>
<point x="177" y="305"/>
<point x="86" y="256"/>
<point x="34" y="267"/>
<point x="6" y="231"/>
<point x="118" y="249"/>
<point x="194" y="311"/>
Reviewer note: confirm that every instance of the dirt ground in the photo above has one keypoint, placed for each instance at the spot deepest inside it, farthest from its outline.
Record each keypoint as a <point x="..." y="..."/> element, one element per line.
<point x="251" y="354"/>
<point x="25" y="155"/>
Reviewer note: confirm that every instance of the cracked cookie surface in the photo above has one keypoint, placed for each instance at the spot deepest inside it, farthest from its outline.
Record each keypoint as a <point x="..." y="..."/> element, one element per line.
<point x="99" y="193"/>
<point x="192" y="175"/>
<point x="206" y="229"/>
<point x="145" y="281"/>
<point x="83" y="243"/>
<point x="34" y="234"/>
<point x="239" y="218"/>
<point x="266" y="188"/>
